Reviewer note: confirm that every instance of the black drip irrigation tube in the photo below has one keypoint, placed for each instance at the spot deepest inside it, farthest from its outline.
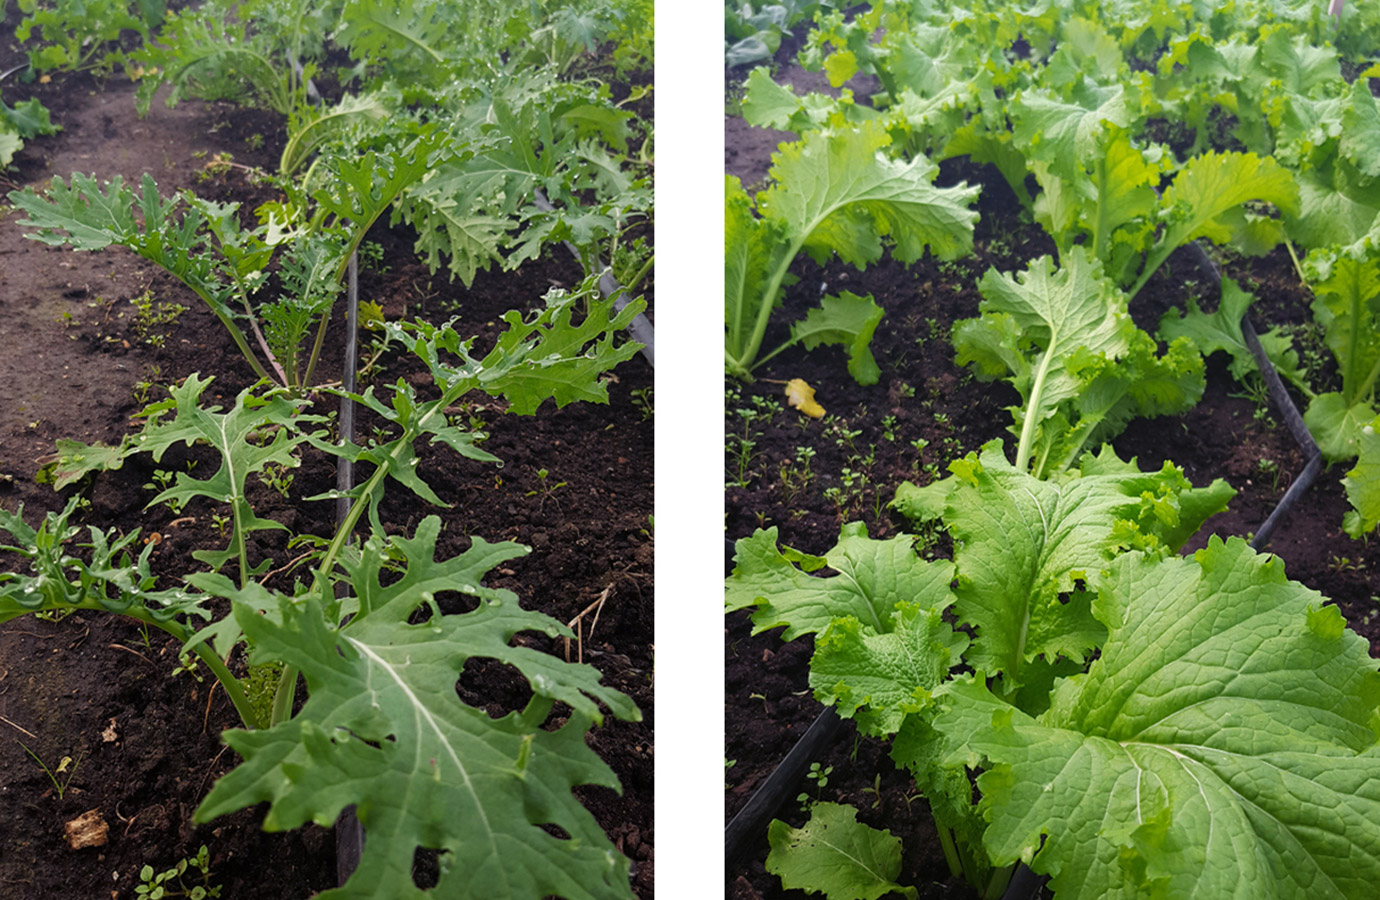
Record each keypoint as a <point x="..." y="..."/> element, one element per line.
<point x="640" y="328"/>
<point x="349" y="833"/>
<point x="1282" y="401"/>
<point x="750" y="822"/>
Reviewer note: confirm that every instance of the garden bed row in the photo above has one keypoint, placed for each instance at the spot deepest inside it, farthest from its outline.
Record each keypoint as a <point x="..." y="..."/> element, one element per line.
<point x="807" y="477"/>
<point x="97" y="337"/>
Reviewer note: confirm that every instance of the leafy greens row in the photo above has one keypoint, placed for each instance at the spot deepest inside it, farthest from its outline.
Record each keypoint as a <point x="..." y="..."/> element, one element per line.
<point x="1140" y="724"/>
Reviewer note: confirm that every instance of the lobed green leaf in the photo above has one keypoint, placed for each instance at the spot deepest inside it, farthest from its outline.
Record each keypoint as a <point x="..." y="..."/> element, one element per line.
<point x="384" y="729"/>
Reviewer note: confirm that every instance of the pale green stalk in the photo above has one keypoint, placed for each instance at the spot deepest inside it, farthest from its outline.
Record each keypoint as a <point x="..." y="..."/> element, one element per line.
<point x="1023" y="449"/>
<point x="287" y="684"/>
<point x="746" y="361"/>
<point x="1297" y="266"/>
<point x="235" y="334"/>
<point x="1000" y="879"/>
<point x="946" y="840"/>
<point x="1152" y="264"/>
<point x="1100" y="222"/>
<point x="630" y="285"/>
<point x="203" y="652"/>
<point x="1352" y="388"/>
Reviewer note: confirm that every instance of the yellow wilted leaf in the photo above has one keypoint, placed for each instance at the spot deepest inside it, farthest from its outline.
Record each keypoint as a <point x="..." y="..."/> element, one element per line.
<point x="800" y="395"/>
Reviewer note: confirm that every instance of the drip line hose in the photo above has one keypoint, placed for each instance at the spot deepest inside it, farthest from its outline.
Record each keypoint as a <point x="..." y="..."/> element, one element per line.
<point x="640" y="328"/>
<point x="344" y="473"/>
<point x="751" y="820"/>
<point x="313" y="95"/>
<point x="1282" y="401"/>
<point x="349" y="834"/>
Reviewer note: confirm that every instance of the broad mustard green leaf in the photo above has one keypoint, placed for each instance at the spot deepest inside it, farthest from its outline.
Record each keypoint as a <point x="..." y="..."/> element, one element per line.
<point x="1221" y="330"/>
<point x="1347" y="306"/>
<point x="836" y="855"/>
<point x="1027" y="548"/>
<point x="1223" y="744"/>
<point x="871" y="578"/>
<point x="1065" y="341"/>
<point x="878" y="677"/>
<point x="1362" y="483"/>
<point x="849" y="320"/>
<point x="835" y="192"/>
<point x="1206" y="196"/>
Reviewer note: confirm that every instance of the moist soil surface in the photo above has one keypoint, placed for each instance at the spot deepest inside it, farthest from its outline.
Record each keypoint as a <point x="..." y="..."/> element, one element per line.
<point x="144" y="744"/>
<point x="807" y="477"/>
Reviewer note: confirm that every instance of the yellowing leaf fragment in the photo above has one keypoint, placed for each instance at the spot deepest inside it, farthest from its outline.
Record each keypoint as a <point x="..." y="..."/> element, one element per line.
<point x="800" y="395"/>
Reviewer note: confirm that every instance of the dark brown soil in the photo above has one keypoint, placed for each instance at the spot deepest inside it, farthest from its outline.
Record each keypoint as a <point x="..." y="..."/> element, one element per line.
<point x="923" y="396"/>
<point x="145" y="743"/>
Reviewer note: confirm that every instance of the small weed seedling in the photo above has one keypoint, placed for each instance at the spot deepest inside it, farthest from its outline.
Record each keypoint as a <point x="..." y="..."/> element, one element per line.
<point x="371" y="256"/>
<point x="1340" y="564"/>
<point x="875" y="791"/>
<point x="144" y="386"/>
<point x="278" y="477"/>
<point x="150" y="316"/>
<point x="796" y="474"/>
<point x="642" y="399"/>
<point x="1268" y="468"/>
<point x="162" y="480"/>
<point x="820" y="776"/>
<point x="66" y="765"/>
<point x="843" y="435"/>
<point x="1254" y="391"/>
<point x="1372" y="612"/>
<point x="741" y="452"/>
<point x="155" y="885"/>
<point x="545" y="487"/>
